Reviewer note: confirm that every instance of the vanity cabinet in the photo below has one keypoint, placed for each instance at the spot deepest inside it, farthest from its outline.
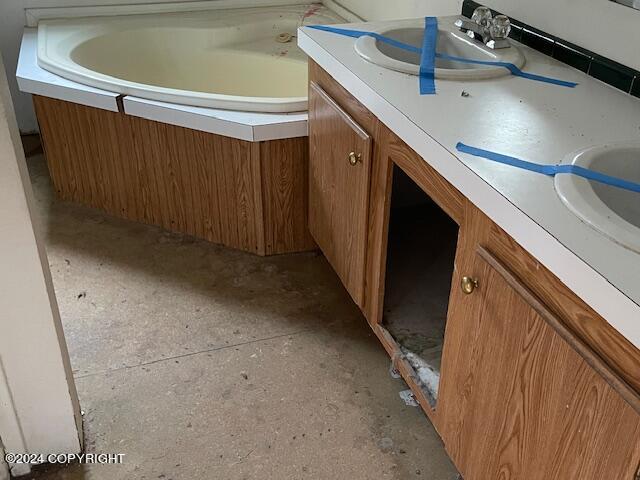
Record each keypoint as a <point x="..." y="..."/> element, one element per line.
<point x="534" y="384"/>
<point x="520" y="396"/>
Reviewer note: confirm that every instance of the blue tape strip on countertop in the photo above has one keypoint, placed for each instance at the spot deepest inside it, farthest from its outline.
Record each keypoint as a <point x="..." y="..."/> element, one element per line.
<point x="428" y="57"/>
<point x="410" y="48"/>
<point x="512" y="68"/>
<point x="347" y="32"/>
<point x="550" y="170"/>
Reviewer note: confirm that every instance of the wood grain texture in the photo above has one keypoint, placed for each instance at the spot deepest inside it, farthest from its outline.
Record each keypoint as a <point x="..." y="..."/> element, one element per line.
<point x="620" y="354"/>
<point x="378" y="232"/>
<point x="367" y="120"/>
<point x="184" y="180"/>
<point x="426" y="177"/>
<point x="339" y="191"/>
<point x="517" y="401"/>
<point x="285" y="177"/>
<point x="577" y="344"/>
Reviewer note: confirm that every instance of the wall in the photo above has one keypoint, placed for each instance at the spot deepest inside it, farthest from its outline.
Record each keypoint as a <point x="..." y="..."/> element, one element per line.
<point x="11" y="23"/>
<point x="39" y="409"/>
<point x="386" y="9"/>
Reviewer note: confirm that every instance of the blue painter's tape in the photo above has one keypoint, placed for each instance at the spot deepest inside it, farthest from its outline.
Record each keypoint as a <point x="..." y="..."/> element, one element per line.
<point x="410" y="48"/>
<point x="512" y="68"/>
<point x="550" y="170"/>
<point x="428" y="57"/>
<point x="347" y="32"/>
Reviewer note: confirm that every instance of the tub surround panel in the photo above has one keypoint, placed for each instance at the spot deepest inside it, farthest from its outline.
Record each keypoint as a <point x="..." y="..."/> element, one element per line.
<point x="284" y="171"/>
<point x="209" y="186"/>
<point x="151" y="173"/>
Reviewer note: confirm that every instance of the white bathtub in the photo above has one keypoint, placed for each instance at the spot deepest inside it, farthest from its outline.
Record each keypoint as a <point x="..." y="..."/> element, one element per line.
<point x="227" y="59"/>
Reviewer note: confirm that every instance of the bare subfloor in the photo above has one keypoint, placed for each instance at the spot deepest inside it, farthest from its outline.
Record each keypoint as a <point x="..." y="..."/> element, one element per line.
<point x="200" y="362"/>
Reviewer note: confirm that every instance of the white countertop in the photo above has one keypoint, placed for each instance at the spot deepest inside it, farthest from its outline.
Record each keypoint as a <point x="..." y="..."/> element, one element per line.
<point x="530" y="120"/>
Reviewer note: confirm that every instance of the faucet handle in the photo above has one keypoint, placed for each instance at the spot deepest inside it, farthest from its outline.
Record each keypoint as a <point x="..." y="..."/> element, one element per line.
<point x="482" y="16"/>
<point x="500" y="27"/>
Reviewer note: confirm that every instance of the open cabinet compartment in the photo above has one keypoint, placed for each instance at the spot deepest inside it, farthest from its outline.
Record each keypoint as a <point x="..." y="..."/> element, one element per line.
<point x="422" y="242"/>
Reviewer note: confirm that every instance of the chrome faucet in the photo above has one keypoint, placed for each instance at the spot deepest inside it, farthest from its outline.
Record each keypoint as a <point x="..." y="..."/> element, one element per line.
<point x="482" y="26"/>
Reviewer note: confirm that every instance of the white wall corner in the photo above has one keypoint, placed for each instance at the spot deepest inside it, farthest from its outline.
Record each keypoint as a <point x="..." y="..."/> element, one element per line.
<point x="39" y="410"/>
<point x="344" y="12"/>
<point x="369" y="10"/>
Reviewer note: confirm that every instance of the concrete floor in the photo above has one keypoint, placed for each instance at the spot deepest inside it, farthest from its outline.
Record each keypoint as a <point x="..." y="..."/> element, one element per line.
<point x="197" y="361"/>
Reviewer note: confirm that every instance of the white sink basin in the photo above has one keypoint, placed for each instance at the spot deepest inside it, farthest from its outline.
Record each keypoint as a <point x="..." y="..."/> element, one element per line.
<point x="613" y="211"/>
<point x="451" y="41"/>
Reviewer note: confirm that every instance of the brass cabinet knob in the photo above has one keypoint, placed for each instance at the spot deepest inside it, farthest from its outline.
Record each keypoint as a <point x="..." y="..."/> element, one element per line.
<point x="354" y="158"/>
<point x="468" y="285"/>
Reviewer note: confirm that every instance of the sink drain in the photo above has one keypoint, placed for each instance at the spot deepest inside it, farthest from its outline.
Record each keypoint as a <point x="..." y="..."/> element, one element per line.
<point x="284" y="37"/>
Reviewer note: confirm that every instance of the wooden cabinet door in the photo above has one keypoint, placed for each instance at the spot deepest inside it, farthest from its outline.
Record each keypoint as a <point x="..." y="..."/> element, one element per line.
<point x="339" y="176"/>
<point x="517" y="399"/>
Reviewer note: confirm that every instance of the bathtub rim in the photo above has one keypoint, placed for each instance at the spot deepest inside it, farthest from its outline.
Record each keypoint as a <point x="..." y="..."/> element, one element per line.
<point x="51" y="59"/>
<point x="163" y="94"/>
<point x="64" y="66"/>
<point x="250" y="126"/>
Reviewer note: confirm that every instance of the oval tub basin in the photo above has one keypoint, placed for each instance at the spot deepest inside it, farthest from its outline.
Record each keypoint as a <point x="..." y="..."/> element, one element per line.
<point x="236" y="59"/>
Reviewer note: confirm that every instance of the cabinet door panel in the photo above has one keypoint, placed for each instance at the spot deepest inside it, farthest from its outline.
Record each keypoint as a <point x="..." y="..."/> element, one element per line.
<point x="339" y="189"/>
<point x="516" y="399"/>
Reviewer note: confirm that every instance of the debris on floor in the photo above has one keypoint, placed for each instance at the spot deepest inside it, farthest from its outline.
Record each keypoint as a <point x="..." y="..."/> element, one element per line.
<point x="284" y="37"/>
<point x="408" y="398"/>
<point x="428" y="377"/>
<point x="386" y="444"/>
<point x="393" y="371"/>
